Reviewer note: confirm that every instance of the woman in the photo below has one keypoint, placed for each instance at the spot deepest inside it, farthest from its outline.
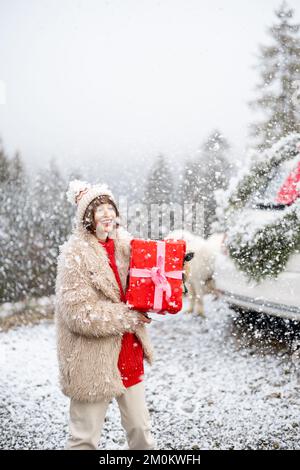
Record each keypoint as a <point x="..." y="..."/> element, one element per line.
<point x="101" y="343"/>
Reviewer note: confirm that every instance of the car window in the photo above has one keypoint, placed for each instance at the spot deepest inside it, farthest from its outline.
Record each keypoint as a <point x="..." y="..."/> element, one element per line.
<point x="268" y="194"/>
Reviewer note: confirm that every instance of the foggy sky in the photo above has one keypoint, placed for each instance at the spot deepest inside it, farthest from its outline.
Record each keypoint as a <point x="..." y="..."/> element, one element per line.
<point x="96" y="82"/>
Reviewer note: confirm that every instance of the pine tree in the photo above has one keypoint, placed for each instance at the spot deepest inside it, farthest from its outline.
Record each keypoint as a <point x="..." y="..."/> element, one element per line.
<point x="190" y="184"/>
<point x="4" y="163"/>
<point x="14" y="233"/>
<point x="189" y="196"/>
<point x="158" y="194"/>
<point x="35" y="220"/>
<point x="279" y="66"/>
<point x="159" y="187"/>
<point x="17" y="173"/>
<point x="209" y="171"/>
<point x="4" y="176"/>
<point x="215" y="170"/>
<point x="50" y="218"/>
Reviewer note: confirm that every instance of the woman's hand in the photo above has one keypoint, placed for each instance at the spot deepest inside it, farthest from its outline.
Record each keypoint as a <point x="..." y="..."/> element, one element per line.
<point x="143" y="317"/>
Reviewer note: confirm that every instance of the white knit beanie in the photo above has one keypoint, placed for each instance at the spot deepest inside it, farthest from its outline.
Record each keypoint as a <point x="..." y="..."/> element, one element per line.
<point x="82" y="194"/>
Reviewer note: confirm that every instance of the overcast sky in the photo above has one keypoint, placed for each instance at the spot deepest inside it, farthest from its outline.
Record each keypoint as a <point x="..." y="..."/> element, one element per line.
<point x="99" y="81"/>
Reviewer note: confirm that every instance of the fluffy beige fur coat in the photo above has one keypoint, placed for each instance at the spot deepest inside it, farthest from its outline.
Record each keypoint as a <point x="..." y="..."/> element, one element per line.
<point x="90" y="317"/>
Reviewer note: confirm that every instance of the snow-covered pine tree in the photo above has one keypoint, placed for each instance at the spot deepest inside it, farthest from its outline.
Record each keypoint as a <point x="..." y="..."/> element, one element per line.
<point x="4" y="163"/>
<point x="188" y="195"/>
<point x="14" y="234"/>
<point x="216" y="170"/>
<point x="279" y="67"/>
<point x="50" y="217"/>
<point x="158" y="194"/>
<point x="209" y="171"/>
<point x="189" y="186"/>
<point x="35" y="219"/>
<point x="4" y="175"/>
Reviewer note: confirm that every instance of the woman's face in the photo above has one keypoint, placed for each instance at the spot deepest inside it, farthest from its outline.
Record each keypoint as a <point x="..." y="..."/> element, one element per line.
<point x="104" y="216"/>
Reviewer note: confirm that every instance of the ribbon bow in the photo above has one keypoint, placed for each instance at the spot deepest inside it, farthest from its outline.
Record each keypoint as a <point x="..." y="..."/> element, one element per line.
<point x="159" y="278"/>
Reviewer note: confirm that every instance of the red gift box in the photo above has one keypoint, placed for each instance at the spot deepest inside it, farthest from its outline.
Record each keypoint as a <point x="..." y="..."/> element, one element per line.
<point x="155" y="275"/>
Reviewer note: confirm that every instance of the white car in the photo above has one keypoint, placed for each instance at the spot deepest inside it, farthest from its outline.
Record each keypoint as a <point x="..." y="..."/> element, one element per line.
<point x="277" y="296"/>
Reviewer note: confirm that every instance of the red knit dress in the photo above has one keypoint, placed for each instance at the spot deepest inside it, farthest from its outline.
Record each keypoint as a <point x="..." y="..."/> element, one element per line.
<point x="130" y="362"/>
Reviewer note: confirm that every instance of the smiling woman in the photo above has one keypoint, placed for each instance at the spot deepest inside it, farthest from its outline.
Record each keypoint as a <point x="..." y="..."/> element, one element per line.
<point x="101" y="342"/>
<point x="98" y="210"/>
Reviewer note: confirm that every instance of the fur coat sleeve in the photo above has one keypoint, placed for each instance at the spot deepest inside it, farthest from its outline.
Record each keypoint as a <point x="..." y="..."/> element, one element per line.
<point x="85" y="309"/>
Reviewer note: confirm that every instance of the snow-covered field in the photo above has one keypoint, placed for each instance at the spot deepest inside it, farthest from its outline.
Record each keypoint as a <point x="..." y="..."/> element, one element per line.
<point x="209" y="388"/>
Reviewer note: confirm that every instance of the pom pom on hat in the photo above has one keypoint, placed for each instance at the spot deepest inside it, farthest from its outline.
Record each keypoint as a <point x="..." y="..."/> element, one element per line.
<point x="104" y="189"/>
<point x="76" y="189"/>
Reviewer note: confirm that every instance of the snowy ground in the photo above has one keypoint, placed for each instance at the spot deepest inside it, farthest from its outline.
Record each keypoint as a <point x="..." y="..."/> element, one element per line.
<point x="210" y="388"/>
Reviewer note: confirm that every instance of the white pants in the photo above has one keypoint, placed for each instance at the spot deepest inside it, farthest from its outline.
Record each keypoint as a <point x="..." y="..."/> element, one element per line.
<point x="86" y="421"/>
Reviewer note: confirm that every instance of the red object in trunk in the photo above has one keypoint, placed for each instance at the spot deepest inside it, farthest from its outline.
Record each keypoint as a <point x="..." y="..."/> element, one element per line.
<point x="290" y="190"/>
